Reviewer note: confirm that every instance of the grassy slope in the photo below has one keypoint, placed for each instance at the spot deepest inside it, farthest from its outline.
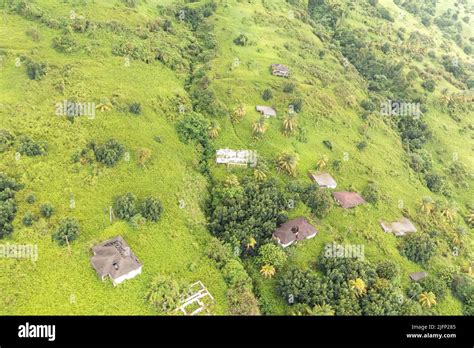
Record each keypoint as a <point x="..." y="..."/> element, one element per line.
<point x="383" y="161"/>
<point x="173" y="245"/>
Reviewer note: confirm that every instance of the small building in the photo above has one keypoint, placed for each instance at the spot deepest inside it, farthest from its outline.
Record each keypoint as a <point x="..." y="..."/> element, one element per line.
<point x="348" y="199"/>
<point x="417" y="276"/>
<point x="113" y="258"/>
<point x="293" y="231"/>
<point x="399" y="228"/>
<point x="324" y="180"/>
<point x="236" y="157"/>
<point x="266" y="111"/>
<point x="280" y="70"/>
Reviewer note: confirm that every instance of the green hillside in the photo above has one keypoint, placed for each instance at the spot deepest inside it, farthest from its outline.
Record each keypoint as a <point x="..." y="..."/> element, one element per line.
<point x="173" y="81"/>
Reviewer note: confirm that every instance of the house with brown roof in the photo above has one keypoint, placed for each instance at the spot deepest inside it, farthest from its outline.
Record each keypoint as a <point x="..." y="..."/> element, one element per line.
<point x="417" y="276"/>
<point x="399" y="228"/>
<point x="280" y="70"/>
<point x="293" y="231"/>
<point x="324" y="180"/>
<point x="113" y="258"/>
<point x="266" y="111"/>
<point x="348" y="199"/>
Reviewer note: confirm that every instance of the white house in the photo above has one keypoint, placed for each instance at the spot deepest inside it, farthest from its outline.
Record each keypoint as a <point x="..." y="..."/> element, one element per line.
<point x="236" y="157"/>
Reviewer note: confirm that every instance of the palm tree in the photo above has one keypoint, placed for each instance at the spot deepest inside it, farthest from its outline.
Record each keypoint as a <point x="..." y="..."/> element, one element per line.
<point x="251" y="244"/>
<point x="287" y="162"/>
<point x="449" y="214"/>
<point x="214" y="129"/>
<point x="289" y="124"/>
<point x="427" y="299"/>
<point x="267" y="271"/>
<point x="358" y="285"/>
<point x="427" y="205"/>
<point x="259" y="175"/>
<point x="238" y="113"/>
<point x="322" y="163"/>
<point x="259" y="127"/>
<point x="322" y="310"/>
<point x="104" y="105"/>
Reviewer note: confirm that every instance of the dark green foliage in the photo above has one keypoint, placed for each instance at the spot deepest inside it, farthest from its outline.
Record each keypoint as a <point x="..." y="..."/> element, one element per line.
<point x="36" y="70"/>
<point x="30" y="147"/>
<point x="463" y="287"/>
<point x="289" y="87"/>
<point x="31" y="198"/>
<point x="219" y="252"/>
<point x="65" y="44"/>
<point x="29" y="218"/>
<point x="271" y="254"/>
<point x="46" y="210"/>
<point x="165" y="294"/>
<point x="368" y="105"/>
<point x="125" y="206"/>
<point x="387" y="269"/>
<point x="435" y="285"/>
<point x="301" y="286"/>
<point x="382" y="299"/>
<point x="420" y="161"/>
<point x="297" y="104"/>
<point x="251" y="209"/>
<point x="151" y="209"/>
<point x="131" y="3"/>
<point x="434" y="181"/>
<point x="413" y="131"/>
<point x="318" y="200"/>
<point x="6" y="140"/>
<point x="267" y="94"/>
<point x="241" y="40"/>
<point x="8" y="187"/>
<point x="429" y="85"/>
<point x="135" y="108"/>
<point x="108" y="153"/>
<point x="67" y="231"/>
<point x="328" y="144"/>
<point x="361" y="145"/>
<point x="371" y="193"/>
<point x="418" y="247"/>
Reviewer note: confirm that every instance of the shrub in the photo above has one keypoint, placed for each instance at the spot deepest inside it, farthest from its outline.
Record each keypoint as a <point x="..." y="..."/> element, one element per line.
<point x="371" y="193"/>
<point x="125" y="206"/>
<point x="219" y="252"/>
<point x="241" y="40"/>
<point x="242" y="302"/>
<point x="298" y="286"/>
<point x="67" y="231"/>
<point x="429" y="85"/>
<point x="288" y="87"/>
<point x="368" y="105"/>
<point x="267" y="94"/>
<point x="6" y="140"/>
<point x="28" y="218"/>
<point x="151" y="209"/>
<point x="361" y="145"/>
<point x="135" y="108"/>
<point x="31" y="148"/>
<point x="434" y="181"/>
<point x="271" y="254"/>
<point x="318" y="200"/>
<point x="387" y="269"/>
<point x="165" y="294"/>
<point x="65" y="44"/>
<point x="434" y="285"/>
<point x="109" y="153"/>
<point x="36" y="70"/>
<point x="297" y="104"/>
<point x="31" y="198"/>
<point x="420" y="161"/>
<point x="418" y="247"/>
<point x="34" y="34"/>
<point x="46" y="210"/>
<point x="235" y="274"/>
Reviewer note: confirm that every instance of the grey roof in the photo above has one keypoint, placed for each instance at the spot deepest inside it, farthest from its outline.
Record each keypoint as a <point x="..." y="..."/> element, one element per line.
<point x="348" y="199"/>
<point x="266" y="110"/>
<point x="114" y="258"/>
<point x="418" y="276"/>
<point x="280" y="67"/>
<point x="323" y="179"/>
<point x="400" y="227"/>
<point x="294" y="230"/>
<point x="239" y="157"/>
